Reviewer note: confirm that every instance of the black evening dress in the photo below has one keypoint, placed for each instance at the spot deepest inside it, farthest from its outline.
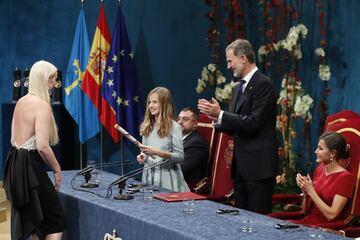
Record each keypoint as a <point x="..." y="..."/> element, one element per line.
<point x="36" y="207"/>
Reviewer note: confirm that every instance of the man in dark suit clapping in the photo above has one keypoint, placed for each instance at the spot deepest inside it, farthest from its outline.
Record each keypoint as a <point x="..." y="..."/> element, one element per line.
<point x="196" y="150"/>
<point x="252" y="123"/>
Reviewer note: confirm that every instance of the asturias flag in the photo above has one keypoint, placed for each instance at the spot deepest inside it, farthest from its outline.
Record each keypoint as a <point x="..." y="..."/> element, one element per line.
<point x="94" y="75"/>
<point x="76" y="102"/>
<point x="120" y="86"/>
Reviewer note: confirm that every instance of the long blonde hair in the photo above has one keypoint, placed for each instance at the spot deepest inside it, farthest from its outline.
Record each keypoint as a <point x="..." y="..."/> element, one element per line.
<point x="166" y="114"/>
<point x="40" y="73"/>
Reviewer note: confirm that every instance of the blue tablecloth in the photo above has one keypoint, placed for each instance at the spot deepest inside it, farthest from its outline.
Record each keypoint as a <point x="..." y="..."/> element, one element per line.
<point x="89" y="217"/>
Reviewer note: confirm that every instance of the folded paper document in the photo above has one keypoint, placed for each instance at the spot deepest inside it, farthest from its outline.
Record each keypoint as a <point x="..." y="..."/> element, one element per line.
<point x="179" y="196"/>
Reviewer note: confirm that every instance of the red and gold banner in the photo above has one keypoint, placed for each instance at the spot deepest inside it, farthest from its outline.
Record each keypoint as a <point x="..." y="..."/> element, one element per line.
<point x="94" y="74"/>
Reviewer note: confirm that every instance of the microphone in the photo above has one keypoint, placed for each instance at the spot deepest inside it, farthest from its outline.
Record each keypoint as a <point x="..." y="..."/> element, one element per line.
<point x="136" y="172"/>
<point x="86" y="172"/>
<point x="121" y="181"/>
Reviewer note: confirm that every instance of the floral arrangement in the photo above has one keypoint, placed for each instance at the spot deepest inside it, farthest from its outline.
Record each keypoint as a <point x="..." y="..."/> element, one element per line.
<point x="324" y="69"/>
<point x="293" y="102"/>
<point x="290" y="43"/>
<point x="211" y="75"/>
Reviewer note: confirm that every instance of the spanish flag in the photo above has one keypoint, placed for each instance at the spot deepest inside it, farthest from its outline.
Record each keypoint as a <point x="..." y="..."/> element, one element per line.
<point x="95" y="72"/>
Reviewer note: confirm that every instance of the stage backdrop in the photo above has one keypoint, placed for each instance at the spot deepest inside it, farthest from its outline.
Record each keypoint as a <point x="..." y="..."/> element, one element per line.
<point x="168" y="38"/>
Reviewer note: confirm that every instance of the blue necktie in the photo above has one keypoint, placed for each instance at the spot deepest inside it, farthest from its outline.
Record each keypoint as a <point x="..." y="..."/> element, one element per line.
<point x="240" y="91"/>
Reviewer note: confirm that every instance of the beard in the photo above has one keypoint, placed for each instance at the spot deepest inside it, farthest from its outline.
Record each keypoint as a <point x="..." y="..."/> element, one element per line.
<point x="237" y="72"/>
<point x="186" y="131"/>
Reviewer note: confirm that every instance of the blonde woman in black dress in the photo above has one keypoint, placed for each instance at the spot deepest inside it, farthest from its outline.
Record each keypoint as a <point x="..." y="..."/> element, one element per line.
<point x="36" y="208"/>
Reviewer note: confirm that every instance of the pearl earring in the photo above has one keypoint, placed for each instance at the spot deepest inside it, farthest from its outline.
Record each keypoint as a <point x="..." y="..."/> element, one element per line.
<point x="331" y="158"/>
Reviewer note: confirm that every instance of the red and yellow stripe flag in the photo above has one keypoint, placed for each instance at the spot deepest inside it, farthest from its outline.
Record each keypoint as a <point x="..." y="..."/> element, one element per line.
<point x="94" y="74"/>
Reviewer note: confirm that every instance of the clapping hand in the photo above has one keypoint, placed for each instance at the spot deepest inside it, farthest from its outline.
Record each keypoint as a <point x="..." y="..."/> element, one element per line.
<point x="305" y="183"/>
<point x="210" y="108"/>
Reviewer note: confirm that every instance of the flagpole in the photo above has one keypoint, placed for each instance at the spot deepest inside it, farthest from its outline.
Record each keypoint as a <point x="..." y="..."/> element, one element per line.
<point x="81" y="157"/>
<point x="122" y="162"/>
<point x="101" y="149"/>
<point x="81" y="146"/>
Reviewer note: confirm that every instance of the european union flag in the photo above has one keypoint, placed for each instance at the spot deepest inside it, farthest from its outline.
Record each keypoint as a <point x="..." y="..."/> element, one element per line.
<point x="120" y="86"/>
<point x="76" y="102"/>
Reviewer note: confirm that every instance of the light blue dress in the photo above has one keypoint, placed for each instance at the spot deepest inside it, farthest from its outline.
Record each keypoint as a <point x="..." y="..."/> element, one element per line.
<point x="169" y="174"/>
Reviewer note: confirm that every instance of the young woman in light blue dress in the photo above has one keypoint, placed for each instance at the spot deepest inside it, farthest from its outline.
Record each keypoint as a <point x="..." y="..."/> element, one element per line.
<point x="162" y="139"/>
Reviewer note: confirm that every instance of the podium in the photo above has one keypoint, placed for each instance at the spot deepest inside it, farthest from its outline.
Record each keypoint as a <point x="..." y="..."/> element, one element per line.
<point x="65" y="151"/>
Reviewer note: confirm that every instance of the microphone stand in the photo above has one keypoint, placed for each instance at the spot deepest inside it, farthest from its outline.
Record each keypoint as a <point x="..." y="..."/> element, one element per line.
<point x="88" y="184"/>
<point x="121" y="181"/>
<point x="86" y="172"/>
<point x="121" y="195"/>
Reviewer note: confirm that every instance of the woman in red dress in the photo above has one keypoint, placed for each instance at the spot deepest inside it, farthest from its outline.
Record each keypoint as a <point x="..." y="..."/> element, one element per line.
<point x="327" y="194"/>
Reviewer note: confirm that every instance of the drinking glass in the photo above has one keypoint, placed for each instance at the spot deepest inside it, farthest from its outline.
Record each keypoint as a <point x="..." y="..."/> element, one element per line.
<point x="189" y="205"/>
<point x="95" y="173"/>
<point x="147" y="193"/>
<point x="247" y="226"/>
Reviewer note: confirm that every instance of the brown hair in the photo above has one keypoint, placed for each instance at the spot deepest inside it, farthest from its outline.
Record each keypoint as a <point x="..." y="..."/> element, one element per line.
<point x="166" y="114"/>
<point x="334" y="141"/>
<point x="193" y="111"/>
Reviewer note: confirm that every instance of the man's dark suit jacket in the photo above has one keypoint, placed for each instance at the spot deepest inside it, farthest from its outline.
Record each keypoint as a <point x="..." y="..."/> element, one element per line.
<point x="196" y="153"/>
<point x="252" y="122"/>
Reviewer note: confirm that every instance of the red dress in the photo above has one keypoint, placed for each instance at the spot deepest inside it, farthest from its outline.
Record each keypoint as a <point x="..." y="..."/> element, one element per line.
<point x="327" y="186"/>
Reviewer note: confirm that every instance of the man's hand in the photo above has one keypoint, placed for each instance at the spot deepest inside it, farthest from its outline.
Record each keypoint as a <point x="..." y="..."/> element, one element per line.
<point x="210" y="108"/>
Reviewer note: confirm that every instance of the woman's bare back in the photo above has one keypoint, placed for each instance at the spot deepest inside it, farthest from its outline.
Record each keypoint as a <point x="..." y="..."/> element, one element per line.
<point x="24" y="118"/>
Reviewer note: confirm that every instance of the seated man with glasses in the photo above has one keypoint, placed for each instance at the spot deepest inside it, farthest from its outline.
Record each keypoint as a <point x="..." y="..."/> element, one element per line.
<point x="196" y="150"/>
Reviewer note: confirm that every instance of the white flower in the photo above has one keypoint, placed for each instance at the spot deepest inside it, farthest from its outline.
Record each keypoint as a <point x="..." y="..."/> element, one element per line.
<point x="210" y="74"/>
<point x="298" y="85"/>
<point x="307" y="100"/>
<point x="320" y="52"/>
<point x="283" y="82"/>
<point x="324" y="72"/>
<point x="224" y="93"/>
<point x="201" y="86"/>
<point x="219" y="77"/>
<point x="302" y="106"/>
<point x="282" y="95"/>
<point x="297" y="51"/>
<point x="205" y="74"/>
<point x="262" y="52"/>
<point x="290" y="43"/>
<point x="302" y="29"/>
<point x="219" y="93"/>
<point x="211" y="67"/>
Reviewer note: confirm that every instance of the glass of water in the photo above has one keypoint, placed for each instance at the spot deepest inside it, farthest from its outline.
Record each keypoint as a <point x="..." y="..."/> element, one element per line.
<point x="247" y="226"/>
<point x="95" y="173"/>
<point x="147" y="193"/>
<point x="189" y="205"/>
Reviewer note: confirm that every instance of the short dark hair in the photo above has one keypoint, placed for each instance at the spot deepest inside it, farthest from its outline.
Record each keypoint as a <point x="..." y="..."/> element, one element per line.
<point x="334" y="141"/>
<point x="194" y="112"/>
<point x="242" y="47"/>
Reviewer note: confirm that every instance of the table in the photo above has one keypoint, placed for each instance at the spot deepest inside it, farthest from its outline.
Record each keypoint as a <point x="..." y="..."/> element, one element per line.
<point x="89" y="217"/>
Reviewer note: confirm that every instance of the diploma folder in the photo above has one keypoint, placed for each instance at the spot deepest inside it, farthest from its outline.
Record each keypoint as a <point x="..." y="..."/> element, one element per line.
<point x="178" y="196"/>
